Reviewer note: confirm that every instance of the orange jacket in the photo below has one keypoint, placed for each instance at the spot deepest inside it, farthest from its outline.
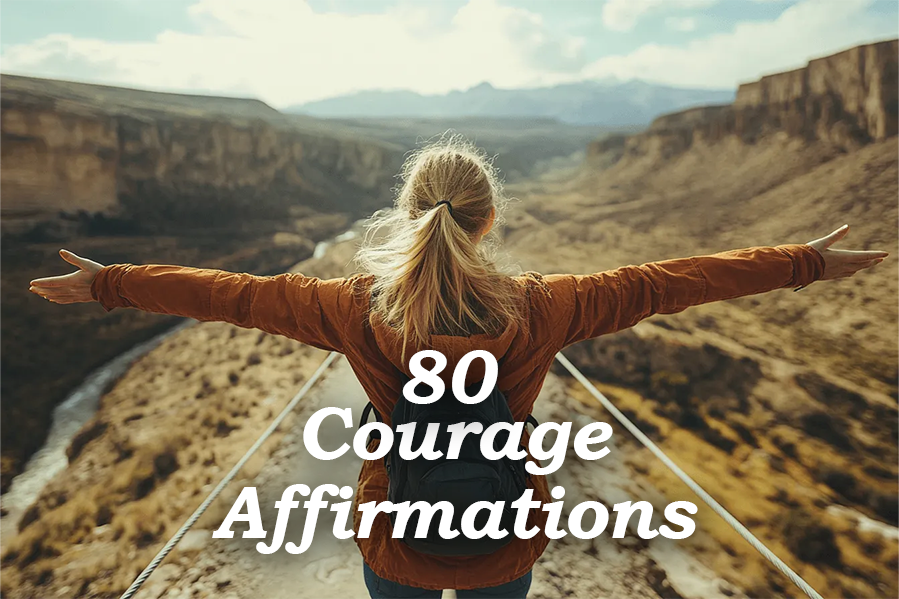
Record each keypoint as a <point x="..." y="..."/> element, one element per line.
<point x="561" y="310"/>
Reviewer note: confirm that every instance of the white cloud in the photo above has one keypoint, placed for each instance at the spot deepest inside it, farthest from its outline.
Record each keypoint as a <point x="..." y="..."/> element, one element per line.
<point x="805" y="30"/>
<point x="284" y="52"/>
<point x="622" y="15"/>
<point x="680" y="23"/>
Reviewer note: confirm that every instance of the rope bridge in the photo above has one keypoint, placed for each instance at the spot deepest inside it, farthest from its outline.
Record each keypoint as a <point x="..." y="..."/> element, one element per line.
<point x="602" y="399"/>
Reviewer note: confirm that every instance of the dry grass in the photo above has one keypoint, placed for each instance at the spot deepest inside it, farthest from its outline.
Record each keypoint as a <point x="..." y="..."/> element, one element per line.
<point x="775" y="482"/>
<point x="174" y="425"/>
<point x="756" y="488"/>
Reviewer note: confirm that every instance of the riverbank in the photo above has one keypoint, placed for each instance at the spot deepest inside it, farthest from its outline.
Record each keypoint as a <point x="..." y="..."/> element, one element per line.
<point x="68" y="418"/>
<point x="79" y="406"/>
<point x="163" y="435"/>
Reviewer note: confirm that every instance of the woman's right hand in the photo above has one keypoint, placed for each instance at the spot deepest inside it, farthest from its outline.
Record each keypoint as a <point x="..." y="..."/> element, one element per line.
<point x="72" y="288"/>
<point x="839" y="264"/>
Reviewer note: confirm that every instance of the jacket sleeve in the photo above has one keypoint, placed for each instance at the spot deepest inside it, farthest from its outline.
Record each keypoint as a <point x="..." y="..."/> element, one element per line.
<point x="304" y="308"/>
<point x="606" y="302"/>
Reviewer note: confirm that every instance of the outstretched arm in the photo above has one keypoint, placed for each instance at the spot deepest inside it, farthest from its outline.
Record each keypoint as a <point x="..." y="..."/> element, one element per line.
<point x="611" y="301"/>
<point x="292" y="305"/>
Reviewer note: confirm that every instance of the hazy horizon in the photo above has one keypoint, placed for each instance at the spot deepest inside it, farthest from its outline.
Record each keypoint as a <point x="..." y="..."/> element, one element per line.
<point x="289" y="53"/>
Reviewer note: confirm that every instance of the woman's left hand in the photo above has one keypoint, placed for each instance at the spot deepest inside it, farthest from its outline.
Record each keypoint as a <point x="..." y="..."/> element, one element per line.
<point x="72" y="288"/>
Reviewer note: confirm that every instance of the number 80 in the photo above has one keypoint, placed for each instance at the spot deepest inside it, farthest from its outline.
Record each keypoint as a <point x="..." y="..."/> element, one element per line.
<point x="430" y="378"/>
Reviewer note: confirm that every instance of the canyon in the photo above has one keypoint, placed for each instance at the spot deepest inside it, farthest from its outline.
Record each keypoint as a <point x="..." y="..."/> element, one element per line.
<point x="783" y="406"/>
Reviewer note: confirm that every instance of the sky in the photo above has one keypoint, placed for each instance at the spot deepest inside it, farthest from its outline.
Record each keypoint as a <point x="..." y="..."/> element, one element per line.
<point x="287" y="52"/>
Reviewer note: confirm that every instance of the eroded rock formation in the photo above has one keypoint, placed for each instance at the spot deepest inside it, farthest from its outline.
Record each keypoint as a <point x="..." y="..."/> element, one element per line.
<point x="847" y="99"/>
<point x="161" y="165"/>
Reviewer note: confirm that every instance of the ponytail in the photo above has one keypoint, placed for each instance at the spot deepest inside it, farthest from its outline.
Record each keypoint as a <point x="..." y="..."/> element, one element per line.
<point x="433" y="273"/>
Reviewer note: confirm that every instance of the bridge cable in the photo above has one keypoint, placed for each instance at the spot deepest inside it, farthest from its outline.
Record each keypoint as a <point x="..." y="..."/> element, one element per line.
<point x="694" y="486"/>
<point x="143" y="576"/>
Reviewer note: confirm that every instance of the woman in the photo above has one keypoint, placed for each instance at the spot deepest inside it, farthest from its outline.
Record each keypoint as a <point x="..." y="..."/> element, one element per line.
<point x="431" y="284"/>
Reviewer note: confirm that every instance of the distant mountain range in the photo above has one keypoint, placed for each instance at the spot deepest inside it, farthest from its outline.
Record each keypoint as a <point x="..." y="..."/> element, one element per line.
<point x="607" y="103"/>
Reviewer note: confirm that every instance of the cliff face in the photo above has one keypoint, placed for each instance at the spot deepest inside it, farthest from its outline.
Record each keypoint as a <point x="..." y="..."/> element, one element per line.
<point x="128" y="176"/>
<point x="847" y="99"/>
<point x="858" y="85"/>
<point x="54" y="162"/>
<point x="158" y="168"/>
<point x="250" y="171"/>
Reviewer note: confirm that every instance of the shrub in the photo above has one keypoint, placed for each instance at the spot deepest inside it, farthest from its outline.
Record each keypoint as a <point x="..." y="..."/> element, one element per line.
<point x="809" y="540"/>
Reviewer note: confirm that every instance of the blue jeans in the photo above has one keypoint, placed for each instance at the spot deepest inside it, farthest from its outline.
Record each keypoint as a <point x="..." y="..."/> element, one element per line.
<point x="381" y="588"/>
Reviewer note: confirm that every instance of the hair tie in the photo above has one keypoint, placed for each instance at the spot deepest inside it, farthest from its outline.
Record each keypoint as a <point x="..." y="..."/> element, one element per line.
<point x="448" y="205"/>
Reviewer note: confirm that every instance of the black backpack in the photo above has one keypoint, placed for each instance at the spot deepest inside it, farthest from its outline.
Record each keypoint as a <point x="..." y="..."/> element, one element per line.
<point x="463" y="481"/>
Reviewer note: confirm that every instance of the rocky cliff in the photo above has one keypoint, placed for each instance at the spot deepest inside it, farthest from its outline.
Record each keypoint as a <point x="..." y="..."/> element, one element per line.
<point x="163" y="163"/>
<point x="128" y="176"/>
<point x="847" y="99"/>
<point x="857" y="86"/>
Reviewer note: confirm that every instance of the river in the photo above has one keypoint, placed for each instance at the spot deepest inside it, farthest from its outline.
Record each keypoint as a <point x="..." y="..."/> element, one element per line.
<point x="321" y="247"/>
<point x="78" y="407"/>
<point x="68" y="418"/>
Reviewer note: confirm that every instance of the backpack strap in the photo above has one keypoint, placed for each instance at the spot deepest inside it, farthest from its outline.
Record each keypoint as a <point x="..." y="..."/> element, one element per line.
<point x="369" y="408"/>
<point x="531" y="420"/>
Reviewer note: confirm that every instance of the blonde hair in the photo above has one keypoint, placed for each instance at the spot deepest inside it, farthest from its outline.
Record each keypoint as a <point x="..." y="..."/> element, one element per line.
<point x="434" y="274"/>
